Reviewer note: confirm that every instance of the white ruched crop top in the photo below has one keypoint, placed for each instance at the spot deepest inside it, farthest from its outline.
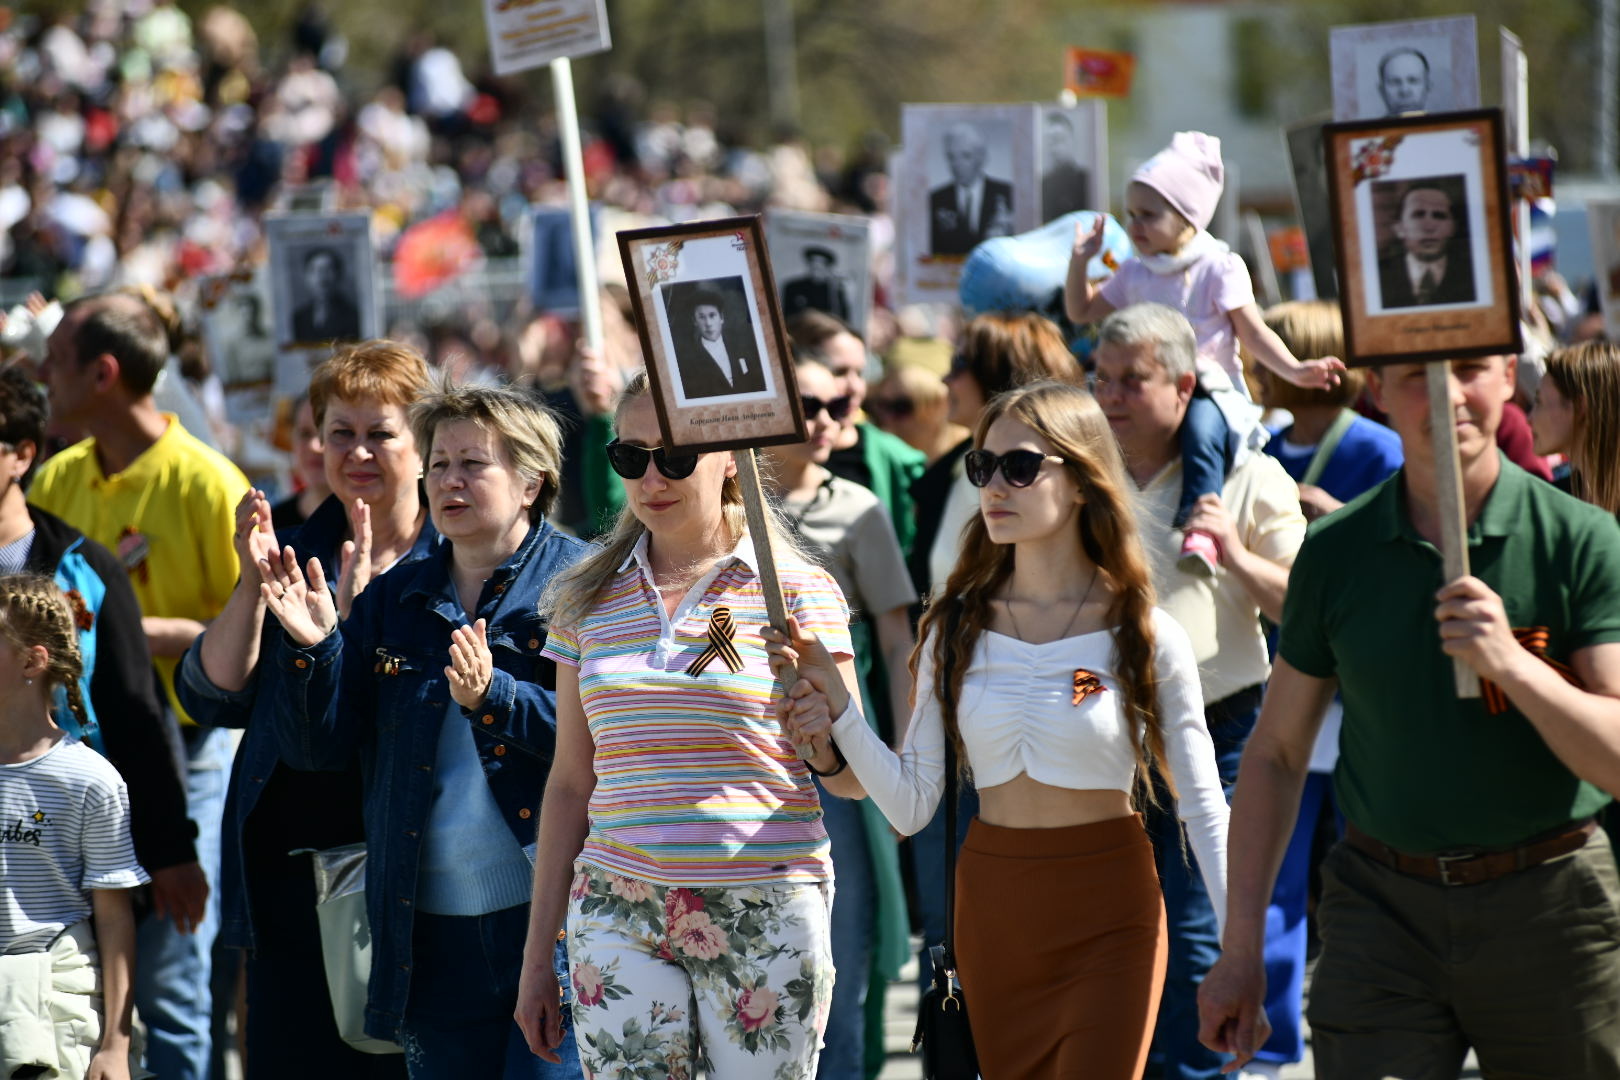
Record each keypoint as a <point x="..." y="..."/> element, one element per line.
<point x="1017" y="715"/>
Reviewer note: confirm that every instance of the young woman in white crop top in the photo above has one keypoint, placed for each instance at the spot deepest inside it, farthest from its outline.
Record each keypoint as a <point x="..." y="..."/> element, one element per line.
<point x="1071" y="689"/>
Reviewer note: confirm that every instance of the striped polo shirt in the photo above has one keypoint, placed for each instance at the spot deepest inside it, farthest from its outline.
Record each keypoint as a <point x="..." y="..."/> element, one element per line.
<point x="696" y="782"/>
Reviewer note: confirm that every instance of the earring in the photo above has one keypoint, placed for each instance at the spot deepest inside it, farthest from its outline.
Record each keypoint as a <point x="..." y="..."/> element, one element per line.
<point x="28" y="682"/>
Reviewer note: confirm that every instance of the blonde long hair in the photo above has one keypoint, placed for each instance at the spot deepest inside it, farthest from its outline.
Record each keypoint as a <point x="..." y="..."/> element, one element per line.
<point x="1588" y="375"/>
<point x="574" y="591"/>
<point x="35" y="611"/>
<point x="1070" y="420"/>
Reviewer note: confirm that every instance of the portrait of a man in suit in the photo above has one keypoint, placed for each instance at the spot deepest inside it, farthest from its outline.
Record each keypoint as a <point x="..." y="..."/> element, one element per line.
<point x="1404" y="81"/>
<point x="973" y="207"/>
<point x="1430" y="263"/>
<point x="327" y="313"/>
<point x="819" y="288"/>
<point x="716" y="353"/>
<point x="1065" y="183"/>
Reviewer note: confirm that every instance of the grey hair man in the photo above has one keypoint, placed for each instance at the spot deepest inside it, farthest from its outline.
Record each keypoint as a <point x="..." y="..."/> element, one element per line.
<point x="972" y="206"/>
<point x="1144" y="379"/>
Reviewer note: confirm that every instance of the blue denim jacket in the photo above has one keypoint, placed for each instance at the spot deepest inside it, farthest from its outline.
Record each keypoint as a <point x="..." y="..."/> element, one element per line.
<point x="258" y="758"/>
<point x="378" y="686"/>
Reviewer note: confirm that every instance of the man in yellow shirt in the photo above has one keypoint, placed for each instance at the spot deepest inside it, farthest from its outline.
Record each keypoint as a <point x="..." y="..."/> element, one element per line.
<point x="165" y="504"/>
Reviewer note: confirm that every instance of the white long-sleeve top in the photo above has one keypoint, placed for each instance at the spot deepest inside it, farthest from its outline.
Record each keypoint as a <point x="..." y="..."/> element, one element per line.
<point x="1017" y="715"/>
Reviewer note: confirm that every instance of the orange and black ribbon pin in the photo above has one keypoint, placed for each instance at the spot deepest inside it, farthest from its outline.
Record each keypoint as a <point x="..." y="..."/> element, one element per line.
<point x="722" y="643"/>
<point x="1085" y="684"/>
<point x="1535" y="640"/>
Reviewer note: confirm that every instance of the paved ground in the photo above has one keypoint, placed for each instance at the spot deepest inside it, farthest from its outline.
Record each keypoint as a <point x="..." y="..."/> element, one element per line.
<point x="902" y="1021"/>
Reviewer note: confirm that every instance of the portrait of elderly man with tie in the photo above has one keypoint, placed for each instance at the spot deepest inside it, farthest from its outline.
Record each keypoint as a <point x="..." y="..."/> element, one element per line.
<point x="716" y="354"/>
<point x="1429" y="263"/>
<point x="972" y="206"/>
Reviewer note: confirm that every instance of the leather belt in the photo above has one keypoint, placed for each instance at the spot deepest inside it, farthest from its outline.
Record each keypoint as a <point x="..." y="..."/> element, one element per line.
<point x="1473" y="867"/>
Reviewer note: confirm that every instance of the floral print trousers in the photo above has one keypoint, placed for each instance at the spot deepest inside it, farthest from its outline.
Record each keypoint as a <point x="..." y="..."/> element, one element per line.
<point x="733" y="981"/>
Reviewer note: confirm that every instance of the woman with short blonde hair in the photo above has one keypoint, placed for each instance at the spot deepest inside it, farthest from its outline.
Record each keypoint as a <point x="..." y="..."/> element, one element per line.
<point x="454" y="753"/>
<point x="373" y="521"/>
<point x="681" y="837"/>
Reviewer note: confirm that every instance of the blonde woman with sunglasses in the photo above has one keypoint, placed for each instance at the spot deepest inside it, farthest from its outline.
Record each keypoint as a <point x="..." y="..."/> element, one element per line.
<point x="681" y="837"/>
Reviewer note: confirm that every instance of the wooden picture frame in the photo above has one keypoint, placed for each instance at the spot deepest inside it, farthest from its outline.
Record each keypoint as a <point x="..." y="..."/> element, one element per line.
<point x="683" y="280"/>
<point x="1422" y="241"/>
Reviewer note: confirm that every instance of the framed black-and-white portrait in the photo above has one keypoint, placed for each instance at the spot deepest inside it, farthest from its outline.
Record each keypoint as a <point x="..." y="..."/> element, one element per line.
<point x="237" y="327"/>
<point x="322" y="279"/>
<point x="1420" y="208"/>
<point x="711" y="328"/>
<point x="1072" y="148"/>
<point x="822" y="262"/>
<point x="551" y="267"/>
<point x="969" y="174"/>
<point x="1308" y="163"/>
<point x="1603" y="219"/>
<point x="1411" y="66"/>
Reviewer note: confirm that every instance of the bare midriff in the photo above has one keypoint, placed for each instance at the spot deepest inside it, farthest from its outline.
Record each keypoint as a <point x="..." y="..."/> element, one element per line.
<point x="1023" y="803"/>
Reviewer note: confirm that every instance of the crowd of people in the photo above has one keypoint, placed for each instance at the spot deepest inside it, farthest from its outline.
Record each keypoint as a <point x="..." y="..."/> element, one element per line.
<point x="1165" y="613"/>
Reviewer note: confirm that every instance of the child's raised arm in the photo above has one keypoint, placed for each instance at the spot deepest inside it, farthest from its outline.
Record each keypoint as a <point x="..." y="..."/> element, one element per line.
<point x="1262" y="343"/>
<point x="115" y="941"/>
<point x="1081" y="302"/>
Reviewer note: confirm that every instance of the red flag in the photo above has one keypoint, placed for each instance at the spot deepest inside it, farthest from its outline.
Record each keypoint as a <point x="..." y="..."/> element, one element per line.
<point x="1098" y="73"/>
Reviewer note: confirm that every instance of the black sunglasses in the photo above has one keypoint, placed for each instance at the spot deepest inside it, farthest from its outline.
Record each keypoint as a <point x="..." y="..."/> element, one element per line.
<point x="1020" y="467"/>
<point x="838" y="408"/>
<point x="630" y="461"/>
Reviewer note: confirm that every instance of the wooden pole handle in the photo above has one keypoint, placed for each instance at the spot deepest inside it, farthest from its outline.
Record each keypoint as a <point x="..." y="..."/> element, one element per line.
<point x="1449" y="494"/>
<point x="769" y="584"/>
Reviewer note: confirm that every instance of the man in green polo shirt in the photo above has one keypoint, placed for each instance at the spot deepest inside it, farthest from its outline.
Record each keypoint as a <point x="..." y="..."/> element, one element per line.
<point x="1473" y="904"/>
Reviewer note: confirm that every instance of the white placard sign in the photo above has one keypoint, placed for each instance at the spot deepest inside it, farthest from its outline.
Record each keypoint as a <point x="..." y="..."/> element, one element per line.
<point x="968" y="174"/>
<point x="1393" y="68"/>
<point x="526" y="34"/>
<point x="1603" y="218"/>
<point x="822" y="262"/>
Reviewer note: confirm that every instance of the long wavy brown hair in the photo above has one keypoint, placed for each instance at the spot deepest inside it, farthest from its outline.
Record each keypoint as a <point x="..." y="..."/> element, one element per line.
<point x="1588" y="375"/>
<point x="1069" y="419"/>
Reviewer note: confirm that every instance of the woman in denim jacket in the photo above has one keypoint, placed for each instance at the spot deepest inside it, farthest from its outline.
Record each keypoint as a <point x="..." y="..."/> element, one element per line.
<point x="375" y="519"/>
<point x="436" y="679"/>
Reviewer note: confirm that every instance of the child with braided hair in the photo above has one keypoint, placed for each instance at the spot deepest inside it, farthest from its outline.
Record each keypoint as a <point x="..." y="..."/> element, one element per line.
<point x="67" y="932"/>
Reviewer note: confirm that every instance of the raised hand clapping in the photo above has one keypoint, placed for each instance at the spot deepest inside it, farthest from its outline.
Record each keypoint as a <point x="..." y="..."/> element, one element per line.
<point x="304" y="608"/>
<point x="471" y="665"/>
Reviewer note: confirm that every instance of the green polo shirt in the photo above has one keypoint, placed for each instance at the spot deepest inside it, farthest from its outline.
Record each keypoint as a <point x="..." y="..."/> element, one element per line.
<point x="1420" y="769"/>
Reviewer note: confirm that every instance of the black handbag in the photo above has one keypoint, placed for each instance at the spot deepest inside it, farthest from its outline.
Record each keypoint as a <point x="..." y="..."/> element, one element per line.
<point x="943" y="1032"/>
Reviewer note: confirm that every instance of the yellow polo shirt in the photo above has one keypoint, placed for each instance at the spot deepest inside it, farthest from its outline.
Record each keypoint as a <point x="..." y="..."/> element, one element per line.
<point x="169" y="518"/>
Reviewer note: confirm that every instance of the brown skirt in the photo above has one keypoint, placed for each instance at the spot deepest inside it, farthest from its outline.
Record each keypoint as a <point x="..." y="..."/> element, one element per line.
<point x="1061" y="945"/>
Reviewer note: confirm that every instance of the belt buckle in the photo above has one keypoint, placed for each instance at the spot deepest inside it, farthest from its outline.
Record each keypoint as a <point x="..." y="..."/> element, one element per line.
<point x="1444" y="861"/>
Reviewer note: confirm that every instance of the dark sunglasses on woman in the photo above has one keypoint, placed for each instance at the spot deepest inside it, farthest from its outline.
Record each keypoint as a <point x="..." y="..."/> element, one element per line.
<point x="1019" y="467"/>
<point x="630" y="461"/>
<point x="896" y="408"/>
<point x="838" y="408"/>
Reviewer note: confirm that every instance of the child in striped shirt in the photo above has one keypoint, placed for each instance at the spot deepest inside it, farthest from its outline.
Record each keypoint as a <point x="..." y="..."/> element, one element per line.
<point x="66" y="860"/>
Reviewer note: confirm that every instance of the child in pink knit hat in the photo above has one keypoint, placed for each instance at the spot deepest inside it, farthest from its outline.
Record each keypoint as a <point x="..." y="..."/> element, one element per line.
<point x="1168" y="207"/>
